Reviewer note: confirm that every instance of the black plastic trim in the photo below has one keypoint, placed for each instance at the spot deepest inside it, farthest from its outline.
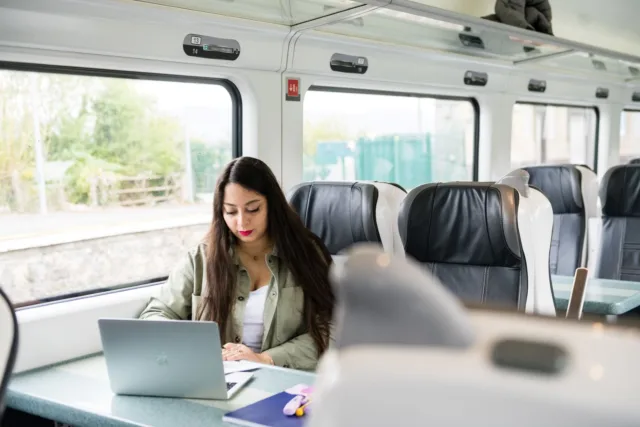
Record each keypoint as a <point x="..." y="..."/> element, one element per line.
<point x="236" y="148"/>
<point x="13" y="353"/>
<point x="234" y="92"/>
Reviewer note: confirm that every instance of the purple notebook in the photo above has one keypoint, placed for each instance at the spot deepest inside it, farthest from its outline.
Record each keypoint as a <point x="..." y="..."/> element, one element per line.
<point x="266" y="413"/>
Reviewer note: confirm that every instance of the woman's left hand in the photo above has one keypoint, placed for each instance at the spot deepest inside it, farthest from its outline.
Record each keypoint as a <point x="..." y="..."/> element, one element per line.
<point x="232" y="351"/>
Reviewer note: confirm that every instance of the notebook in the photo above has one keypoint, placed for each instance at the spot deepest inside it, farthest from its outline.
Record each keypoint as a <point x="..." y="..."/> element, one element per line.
<point x="267" y="412"/>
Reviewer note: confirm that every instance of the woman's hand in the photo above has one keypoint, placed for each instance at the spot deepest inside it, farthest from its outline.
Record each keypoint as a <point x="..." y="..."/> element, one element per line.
<point x="232" y="351"/>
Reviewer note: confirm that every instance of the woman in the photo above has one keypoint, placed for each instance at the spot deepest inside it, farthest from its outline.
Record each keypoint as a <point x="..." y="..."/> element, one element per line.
<point x="260" y="274"/>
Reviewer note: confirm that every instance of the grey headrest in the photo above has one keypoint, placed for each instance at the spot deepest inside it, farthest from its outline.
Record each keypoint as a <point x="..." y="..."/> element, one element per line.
<point x="340" y="213"/>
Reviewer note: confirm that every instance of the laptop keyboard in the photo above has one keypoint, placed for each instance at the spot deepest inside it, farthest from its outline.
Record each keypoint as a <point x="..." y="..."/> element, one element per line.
<point x="230" y="386"/>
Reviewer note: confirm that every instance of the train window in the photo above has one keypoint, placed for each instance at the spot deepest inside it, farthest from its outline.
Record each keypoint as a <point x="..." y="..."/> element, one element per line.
<point x="403" y="138"/>
<point x="553" y="134"/>
<point x="106" y="178"/>
<point x="629" y="135"/>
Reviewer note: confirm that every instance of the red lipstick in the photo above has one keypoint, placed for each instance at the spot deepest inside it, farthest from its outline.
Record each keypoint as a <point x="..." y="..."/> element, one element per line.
<point x="245" y="233"/>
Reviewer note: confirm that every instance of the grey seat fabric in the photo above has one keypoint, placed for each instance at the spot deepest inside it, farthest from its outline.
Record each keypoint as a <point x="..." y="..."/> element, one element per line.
<point x="466" y="234"/>
<point x="619" y="257"/>
<point x="339" y="213"/>
<point x="562" y="185"/>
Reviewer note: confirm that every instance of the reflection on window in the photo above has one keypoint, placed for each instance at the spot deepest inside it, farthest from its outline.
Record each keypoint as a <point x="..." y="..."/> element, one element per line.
<point x="629" y="136"/>
<point x="546" y="134"/>
<point x="403" y="139"/>
<point x="103" y="181"/>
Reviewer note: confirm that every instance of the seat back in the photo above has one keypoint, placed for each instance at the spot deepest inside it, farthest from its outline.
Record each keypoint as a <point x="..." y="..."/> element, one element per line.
<point x="634" y="161"/>
<point x="8" y="344"/>
<point x="466" y="234"/>
<point x="339" y="213"/>
<point x="619" y="254"/>
<point x="407" y="354"/>
<point x="390" y="197"/>
<point x="570" y="189"/>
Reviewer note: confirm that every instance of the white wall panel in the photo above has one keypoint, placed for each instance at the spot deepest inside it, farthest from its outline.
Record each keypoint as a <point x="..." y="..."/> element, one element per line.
<point x="133" y="30"/>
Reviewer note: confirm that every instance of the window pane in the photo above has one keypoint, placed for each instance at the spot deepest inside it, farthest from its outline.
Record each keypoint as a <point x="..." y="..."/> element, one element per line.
<point x="629" y="136"/>
<point x="403" y="139"/>
<point x="546" y="134"/>
<point x="104" y="181"/>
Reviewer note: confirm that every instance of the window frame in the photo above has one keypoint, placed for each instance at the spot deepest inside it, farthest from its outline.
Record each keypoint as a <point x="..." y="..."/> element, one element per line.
<point x="593" y="107"/>
<point x="236" y="148"/>
<point x="472" y="100"/>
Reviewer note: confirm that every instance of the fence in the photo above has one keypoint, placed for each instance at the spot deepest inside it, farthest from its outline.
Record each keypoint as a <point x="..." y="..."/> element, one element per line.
<point x="20" y="195"/>
<point x="137" y="190"/>
<point x="407" y="159"/>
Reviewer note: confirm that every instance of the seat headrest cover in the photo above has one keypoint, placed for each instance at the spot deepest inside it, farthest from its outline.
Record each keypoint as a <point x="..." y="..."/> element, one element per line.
<point x="393" y="184"/>
<point x="462" y="223"/>
<point x="416" y="311"/>
<point x="620" y="191"/>
<point x="561" y="184"/>
<point x="584" y="165"/>
<point x="340" y="213"/>
<point x="518" y="179"/>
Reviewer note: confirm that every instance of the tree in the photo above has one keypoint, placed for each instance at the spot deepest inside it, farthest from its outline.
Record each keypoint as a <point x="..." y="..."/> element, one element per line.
<point x="72" y="138"/>
<point x="130" y="131"/>
<point x="103" y="125"/>
<point x="16" y="123"/>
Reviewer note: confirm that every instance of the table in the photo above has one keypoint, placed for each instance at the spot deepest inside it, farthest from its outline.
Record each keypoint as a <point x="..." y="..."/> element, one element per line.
<point x="603" y="296"/>
<point x="78" y="393"/>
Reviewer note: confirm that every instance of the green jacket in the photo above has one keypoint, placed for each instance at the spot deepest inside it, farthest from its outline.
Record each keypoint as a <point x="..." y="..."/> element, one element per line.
<point x="285" y="338"/>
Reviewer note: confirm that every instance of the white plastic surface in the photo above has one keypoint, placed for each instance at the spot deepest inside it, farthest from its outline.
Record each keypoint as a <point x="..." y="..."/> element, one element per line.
<point x="380" y="386"/>
<point x="535" y="225"/>
<point x="389" y="199"/>
<point x="393" y="366"/>
<point x="590" y="186"/>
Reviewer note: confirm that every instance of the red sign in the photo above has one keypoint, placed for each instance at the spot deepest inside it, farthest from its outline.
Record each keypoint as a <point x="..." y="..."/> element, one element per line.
<point x="293" y="88"/>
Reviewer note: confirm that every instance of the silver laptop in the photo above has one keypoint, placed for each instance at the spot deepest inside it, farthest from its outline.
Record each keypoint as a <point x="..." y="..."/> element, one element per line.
<point x="167" y="358"/>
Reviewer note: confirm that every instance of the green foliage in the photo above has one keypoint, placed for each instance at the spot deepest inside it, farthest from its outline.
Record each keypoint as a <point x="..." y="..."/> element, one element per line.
<point x="79" y="176"/>
<point x="207" y="162"/>
<point x="102" y="125"/>
<point x="128" y="130"/>
<point x="16" y="123"/>
<point x="72" y="136"/>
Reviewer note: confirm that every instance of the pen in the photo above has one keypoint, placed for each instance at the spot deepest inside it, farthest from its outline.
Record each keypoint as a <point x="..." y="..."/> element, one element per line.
<point x="304" y="409"/>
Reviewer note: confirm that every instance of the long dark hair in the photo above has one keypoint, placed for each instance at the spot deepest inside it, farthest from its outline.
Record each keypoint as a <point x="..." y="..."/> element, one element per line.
<point x="302" y="252"/>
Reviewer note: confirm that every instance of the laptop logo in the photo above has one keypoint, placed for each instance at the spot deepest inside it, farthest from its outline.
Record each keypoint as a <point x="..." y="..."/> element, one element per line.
<point x="162" y="359"/>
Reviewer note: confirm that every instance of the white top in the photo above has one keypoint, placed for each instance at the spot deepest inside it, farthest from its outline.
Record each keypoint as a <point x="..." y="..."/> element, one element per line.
<point x="253" y="327"/>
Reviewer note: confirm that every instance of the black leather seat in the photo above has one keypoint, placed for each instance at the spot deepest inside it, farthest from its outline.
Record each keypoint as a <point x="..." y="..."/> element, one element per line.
<point x="635" y="161"/>
<point x="562" y="185"/>
<point x="619" y="254"/>
<point x="467" y="234"/>
<point x="339" y="213"/>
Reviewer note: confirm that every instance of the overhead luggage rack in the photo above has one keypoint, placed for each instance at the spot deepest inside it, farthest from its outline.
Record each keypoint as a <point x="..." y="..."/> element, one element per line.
<point x="421" y="25"/>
